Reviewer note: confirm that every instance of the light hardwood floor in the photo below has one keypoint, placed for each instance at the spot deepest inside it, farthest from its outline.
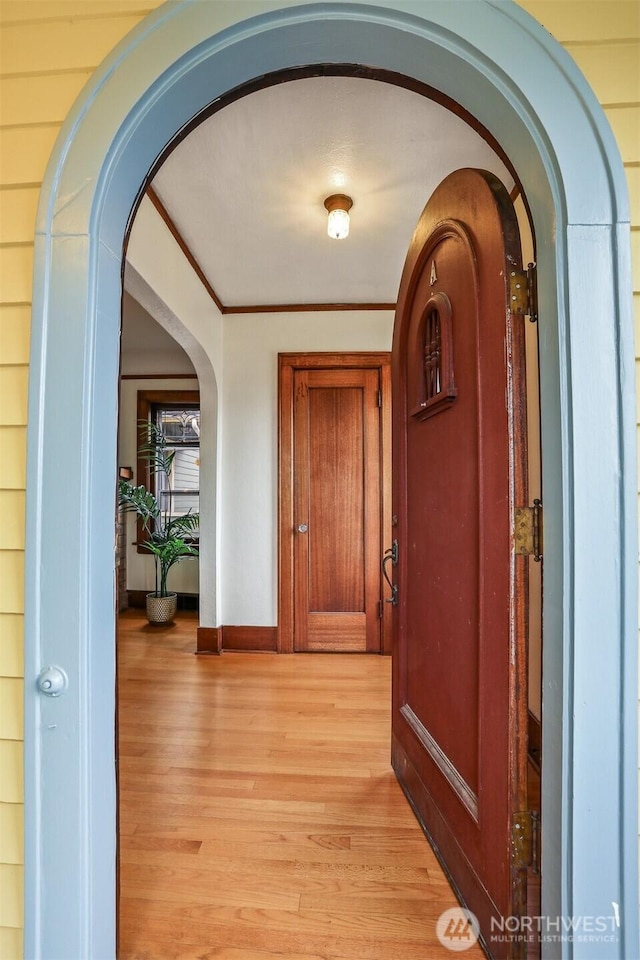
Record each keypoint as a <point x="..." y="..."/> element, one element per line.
<point x="259" y="816"/>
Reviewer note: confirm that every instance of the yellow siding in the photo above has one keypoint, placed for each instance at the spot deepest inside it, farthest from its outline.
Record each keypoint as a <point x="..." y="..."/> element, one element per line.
<point x="14" y="336"/>
<point x="40" y="99"/>
<point x="18" y="214"/>
<point x="11" y="764"/>
<point x="32" y="11"/>
<point x="13" y="454"/>
<point x="11" y="833"/>
<point x="584" y="21"/>
<point x="13" y="395"/>
<point x="15" y="273"/>
<point x="619" y="85"/>
<point x="11" y="708"/>
<point x="11" y="906"/>
<point x="56" y="46"/>
<point x="11" y="647"/>
<point x="12" y="527"/>
<point x="11" y="582"/>
<point x="633" y="182"/>
<point x="604" y="40"/>
<point x="625" y="123"/>
<point x="24" y="152"/>
<point x="11" y="943"/>
<point x="49" y="49"/>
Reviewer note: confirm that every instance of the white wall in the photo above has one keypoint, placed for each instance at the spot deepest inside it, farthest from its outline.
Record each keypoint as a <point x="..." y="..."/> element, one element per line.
<point x="159" y="277"/>
<point x="236" y="360"/>
<point x="146" y="347"/>
<point x="184" y="576"/>
<point x="250" y="442"/>
<point x="241" y="567"/>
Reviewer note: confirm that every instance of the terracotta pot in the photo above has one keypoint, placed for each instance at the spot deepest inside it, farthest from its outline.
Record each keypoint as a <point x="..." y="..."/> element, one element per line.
<point x="161" y="610"/>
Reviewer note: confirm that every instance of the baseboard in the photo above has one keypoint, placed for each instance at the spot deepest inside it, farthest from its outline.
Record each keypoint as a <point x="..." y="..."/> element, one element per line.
<point x="254" y="639"/>
<point x="137" y="598"/>
<point x="249" y="639"/>
<point x="209" y="640"/>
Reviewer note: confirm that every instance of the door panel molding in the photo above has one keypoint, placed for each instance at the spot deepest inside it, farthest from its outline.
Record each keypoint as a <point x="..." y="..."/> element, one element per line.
<point x="456" y="781"/>
<point x="288" y="364"/>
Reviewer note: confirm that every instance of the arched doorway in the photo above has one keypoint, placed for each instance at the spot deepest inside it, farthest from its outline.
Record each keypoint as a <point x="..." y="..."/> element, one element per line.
<point x="148" y="298"/>
<point x="506" y="71"/>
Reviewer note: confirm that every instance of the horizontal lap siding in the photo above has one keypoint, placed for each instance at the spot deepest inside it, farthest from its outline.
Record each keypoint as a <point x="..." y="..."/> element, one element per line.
<point x="604" y="40"/>
<point x="49" y="50"/>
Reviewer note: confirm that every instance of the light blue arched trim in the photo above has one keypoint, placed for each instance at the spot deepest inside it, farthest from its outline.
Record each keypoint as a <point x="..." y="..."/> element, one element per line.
<point x="507" y="71"/>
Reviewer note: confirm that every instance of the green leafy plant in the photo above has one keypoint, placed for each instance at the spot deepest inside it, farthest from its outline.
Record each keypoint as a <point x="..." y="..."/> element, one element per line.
<point x="166" y="535"/>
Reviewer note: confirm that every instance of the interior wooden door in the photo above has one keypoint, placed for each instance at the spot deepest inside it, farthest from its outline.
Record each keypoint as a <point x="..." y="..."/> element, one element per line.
<point x="336" y="509"/>
<point x="459" y="469"/>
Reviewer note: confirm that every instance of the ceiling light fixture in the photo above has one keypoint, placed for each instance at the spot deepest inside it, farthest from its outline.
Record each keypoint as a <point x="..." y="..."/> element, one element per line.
<point x="338" y="206"/>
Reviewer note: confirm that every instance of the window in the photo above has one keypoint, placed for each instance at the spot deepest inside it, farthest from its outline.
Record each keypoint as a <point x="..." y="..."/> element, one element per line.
<point x="178" y="493"/>
<point x="435" y="382"/>
<point x="432" y="358"/>
<point x="175" y="415"/>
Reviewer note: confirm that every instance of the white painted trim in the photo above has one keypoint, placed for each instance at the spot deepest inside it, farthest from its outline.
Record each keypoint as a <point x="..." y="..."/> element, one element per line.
<point x="507" y="71"/>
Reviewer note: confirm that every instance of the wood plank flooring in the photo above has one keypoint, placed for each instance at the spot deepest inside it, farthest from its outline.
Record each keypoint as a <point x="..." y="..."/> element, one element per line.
<point x="259" y="816"/>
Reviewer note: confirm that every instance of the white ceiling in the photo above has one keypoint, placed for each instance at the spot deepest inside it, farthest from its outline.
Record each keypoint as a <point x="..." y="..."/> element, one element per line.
<point x="246" y="188"/>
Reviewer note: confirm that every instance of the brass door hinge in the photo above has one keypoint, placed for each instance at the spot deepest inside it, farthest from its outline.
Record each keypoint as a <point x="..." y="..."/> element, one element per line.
<point x="528" y="531"/>
<point x="523" y="292"/>
<point x="525" y="841"/>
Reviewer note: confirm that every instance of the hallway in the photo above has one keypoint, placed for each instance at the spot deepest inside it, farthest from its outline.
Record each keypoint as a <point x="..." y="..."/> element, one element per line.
<point x="259" y="816"/>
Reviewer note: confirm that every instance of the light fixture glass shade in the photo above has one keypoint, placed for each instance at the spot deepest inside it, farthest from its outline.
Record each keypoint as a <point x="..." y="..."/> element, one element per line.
<point x="338" y="224"/>
<point x="338" y="206"/>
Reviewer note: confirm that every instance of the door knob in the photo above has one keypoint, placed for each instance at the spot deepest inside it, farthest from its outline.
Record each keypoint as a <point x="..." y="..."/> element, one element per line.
<point x="52" y="681"/>
<point x="302" y="528"/>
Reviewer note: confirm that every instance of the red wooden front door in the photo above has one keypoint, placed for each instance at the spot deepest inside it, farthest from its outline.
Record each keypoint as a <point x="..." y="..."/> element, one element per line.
<point x="459" y="468"/>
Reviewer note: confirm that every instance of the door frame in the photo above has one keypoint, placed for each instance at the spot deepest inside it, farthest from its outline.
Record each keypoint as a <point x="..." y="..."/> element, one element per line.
<point x="288" y="363"/>
<point x="509" y="73"/>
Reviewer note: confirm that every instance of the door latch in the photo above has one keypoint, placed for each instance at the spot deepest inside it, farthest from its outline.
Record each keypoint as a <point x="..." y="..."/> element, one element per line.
<point x="391" y="555"/>
<point x="52" y="681"/>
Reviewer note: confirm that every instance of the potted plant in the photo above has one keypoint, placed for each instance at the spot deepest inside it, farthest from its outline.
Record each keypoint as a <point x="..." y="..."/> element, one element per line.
<point x="166" y="535"/>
